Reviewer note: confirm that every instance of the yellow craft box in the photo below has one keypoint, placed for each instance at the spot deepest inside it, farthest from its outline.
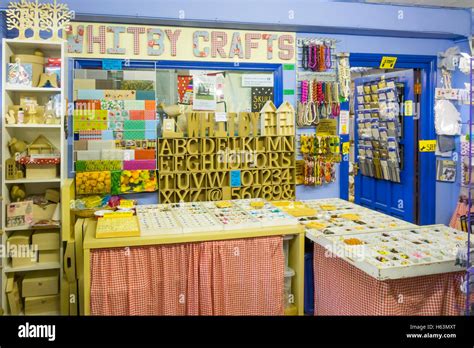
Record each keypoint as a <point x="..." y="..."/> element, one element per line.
<point x="46" y="240"/>
<point x="42" y="305"/>
<point x="40" y="283"/>
<point x="46" y="256"/>
<point x="20" y="238"/>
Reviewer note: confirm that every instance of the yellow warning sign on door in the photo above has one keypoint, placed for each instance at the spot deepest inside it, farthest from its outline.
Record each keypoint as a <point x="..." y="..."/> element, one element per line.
<point x="345" y="147"/>
<point x="427" y="145"/>
<point x="388" y="62"/>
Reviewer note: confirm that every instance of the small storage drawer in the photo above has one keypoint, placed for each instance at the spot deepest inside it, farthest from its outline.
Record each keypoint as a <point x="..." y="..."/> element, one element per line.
<point x="42" y="305"/>
<point x="40" y="283"/>
<point x="48" y="256"/>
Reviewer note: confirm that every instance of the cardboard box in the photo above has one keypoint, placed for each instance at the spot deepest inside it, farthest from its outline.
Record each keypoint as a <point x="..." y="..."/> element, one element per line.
<point x="46" y="239"/>
<point x="42" y="305"/>
<point x="52" y="195"/>
<point x="43" y="171"/>
<point x="13" y="295"/>
<point x="46" y="256"/>
<point x="43" y="212"/>
<point x="40" y="283"/>
<point x="18" y="262"/>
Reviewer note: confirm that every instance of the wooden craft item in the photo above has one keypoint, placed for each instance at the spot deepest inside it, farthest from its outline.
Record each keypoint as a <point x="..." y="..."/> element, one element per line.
<point x="244" y="124"/>
<point x="194" y="119"/>
<point x="110" y="227"/>
<point x="231" y="116"/>
<point x="220" y="129"/>
<point x="246" y="178"/>
<point x="277" y="192"/>
<point x="217" y="179"/>
<point x="193" y="146"/>
<point x="226" y="193"/>
<point x="166" y="147"/>
<point x="179" y="163"/>
<point x="214" y="194"/>
<point x="182" y="181"/>
<point x="208" y="146"/>
<point x="207" y="163"/>
<point x="287" y="159"/>
<point x="166" y="164"/>
<point x="266" y="176"/>
<point x="166" y="181"/>
<point x="179" y="147"/>
<point x="198" y="180"/>
<point x="207" y="124"/>
<point x="255" y="122"/>
<point x="273" y="144"/>
<point x="198" y="195"/>
<point x="167" y="196"/>
<point x="288" y="144"/>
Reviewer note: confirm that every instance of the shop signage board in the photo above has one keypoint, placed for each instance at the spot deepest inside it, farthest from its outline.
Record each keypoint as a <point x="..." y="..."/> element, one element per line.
<point x="257" y="80"/>
<point x="87" y="40"/>
<point x="427" y="145"/>
<point x="388" y="62"/>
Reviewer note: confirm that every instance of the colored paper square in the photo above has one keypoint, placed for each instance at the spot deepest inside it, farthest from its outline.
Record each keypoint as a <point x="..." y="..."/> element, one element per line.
<point x="90" y="94"/>
<point x="150" y="114"/>
<point x="133" y="135"/>
<point x="145" y="95"/>
<point x="107" y="135"/>
<point x="150" y="105"/>
<point x="134" y="104"/>
<point x="151" y="134"/>
<point x="145" y="154"/>
<point x="134" y="125"/>
<point x="235" y="178"/>
<point x="150" y="125"/>
<point x="137" y="114"/>
<point x="136" y="165"/>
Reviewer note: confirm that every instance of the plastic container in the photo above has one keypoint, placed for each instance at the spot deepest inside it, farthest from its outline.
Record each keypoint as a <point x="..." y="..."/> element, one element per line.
<point x="288" y="295"/>
<point x="286" y="249"/>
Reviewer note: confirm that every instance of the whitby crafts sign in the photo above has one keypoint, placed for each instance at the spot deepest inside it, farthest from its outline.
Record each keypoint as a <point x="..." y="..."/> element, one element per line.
<point x="102" y="40"/>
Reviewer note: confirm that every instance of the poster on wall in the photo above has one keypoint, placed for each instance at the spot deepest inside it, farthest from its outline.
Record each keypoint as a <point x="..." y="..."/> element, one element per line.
<point x="260" y="95"/>
<point x="204" y="93"/>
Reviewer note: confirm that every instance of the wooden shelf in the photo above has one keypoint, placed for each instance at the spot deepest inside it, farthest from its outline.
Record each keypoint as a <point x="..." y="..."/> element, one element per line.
<point x="33" y="125"/>
<point x="33" y="228"/>
<point x="32" y="89"/>
<point x="46" y="45"/>
<point x="35" y="267"/>
<point x="32" y="181"/>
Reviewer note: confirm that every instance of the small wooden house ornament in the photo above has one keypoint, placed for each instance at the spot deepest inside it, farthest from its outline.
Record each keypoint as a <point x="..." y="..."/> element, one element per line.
<point x="285" y="119"/>
<point x="41" y="146"/>
<point x="268" y="122"/>
<point x="14" y="169"/>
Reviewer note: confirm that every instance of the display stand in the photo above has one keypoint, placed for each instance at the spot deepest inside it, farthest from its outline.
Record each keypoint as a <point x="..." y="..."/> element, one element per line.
<point x="41" y="169"/>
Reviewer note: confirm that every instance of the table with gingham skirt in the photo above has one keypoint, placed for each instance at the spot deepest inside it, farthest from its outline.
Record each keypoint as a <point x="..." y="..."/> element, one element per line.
<point x="342" y="289"/>
<point x="230" y="277"/>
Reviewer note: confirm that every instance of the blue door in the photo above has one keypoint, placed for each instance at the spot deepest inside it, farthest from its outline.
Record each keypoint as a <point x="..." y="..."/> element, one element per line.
<point x="373" y="191"/>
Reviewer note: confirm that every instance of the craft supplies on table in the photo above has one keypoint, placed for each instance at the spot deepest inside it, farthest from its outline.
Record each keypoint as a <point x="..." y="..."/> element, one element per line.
<point x="123" y="224"/>
<point x="193" y="217"/>
<point x="265" y="212"/>
<point x="231" y="216"/>
<point x="155" y="219"/>
<point x="402" y="253"/>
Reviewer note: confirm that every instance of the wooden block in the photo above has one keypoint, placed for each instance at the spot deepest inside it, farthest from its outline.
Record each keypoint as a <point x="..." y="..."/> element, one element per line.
<point x="266" y="176"/>
<point x="262" y="160"/>
<point x="246" y="192"/>
<point x="217" y="179"/>
<point x="273" y="160"/>
<point x="276" y="176"/>
<point x="277" y="192"/>
<point x="179" y="146"/>
<point x="207" y="124"/>
<point x="231" y="116"/>
<point x="267" y="192"/>
<point x="220" y="129"/>
<point x="165" y="147"/>
<point x="214" y="194"/>
<point x="235" y="192"/>
<point x="286" y="177"/>
<point x="198" y="180"/>
<point x="288" y="144"/>
<point x="182" y="181"/>
<point x="197" y="195"/>
<point x="256" y="191"/>
<point x="248" y="144"/>
<point x="208" y="146"/>
<point x="233" y="144"/>
<point x="166" y="181"/>
<point x="226" y="193"/>
<point x="193" y="146"/>
<point x="221" y="161"/>
<point x="261" y="143"/>
<point x="288" y="159"/>
<point x="182" y="195"/>
<point x="244" y="124"/>
<point x="257" y="177"/>
<point x="193" y="163"/>
<point x="194" y="119"/>
<point x="288" y="192"/>
<point x="221" y="144"/>
<point x="255" y="123"/>
<point x="167" y="196"/>
<point x="165" y="164"/>
<point x="246" y="178"/>
<point x="273" y="144"/>
<point x="179" y="163"/>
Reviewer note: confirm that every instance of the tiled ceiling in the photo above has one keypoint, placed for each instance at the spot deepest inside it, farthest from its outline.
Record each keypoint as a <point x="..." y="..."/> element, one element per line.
<point x="430" y="3"/>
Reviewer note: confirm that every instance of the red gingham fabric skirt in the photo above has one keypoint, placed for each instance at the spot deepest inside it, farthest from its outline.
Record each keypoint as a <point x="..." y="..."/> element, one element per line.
<point x="342" y="289"/>
<point x="232" y="277"/>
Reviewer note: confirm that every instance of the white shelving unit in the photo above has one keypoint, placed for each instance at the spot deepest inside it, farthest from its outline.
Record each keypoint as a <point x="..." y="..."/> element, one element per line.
<point x="29" y="132"/>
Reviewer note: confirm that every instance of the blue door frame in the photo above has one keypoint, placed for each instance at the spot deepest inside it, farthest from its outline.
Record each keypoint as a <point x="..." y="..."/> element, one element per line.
<point x="426" y="160"/>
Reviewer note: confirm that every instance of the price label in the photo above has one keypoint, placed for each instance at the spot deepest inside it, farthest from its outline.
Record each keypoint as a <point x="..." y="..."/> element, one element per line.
<point x="388" y="62"/>
<point x="409" y="108"/>
<point x="427" y="145"/>
<point x="221" y="116"/>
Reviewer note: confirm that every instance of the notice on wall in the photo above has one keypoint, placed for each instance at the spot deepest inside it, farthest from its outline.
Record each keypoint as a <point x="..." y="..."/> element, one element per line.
<point x="327" y="127"/>
<point x="260" y="95"/>
<point x="204" y="93"/>
<point x="427" y="145"/>
<point x="344" y="122"/>
<point x="257" y="80"/>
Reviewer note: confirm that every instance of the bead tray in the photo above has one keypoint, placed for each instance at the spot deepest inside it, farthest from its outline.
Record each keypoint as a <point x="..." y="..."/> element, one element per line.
<point x="268" y="214"/>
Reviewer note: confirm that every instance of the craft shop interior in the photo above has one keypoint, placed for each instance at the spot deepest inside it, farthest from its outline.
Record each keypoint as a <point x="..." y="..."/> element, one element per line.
<point x="158" y="160"/>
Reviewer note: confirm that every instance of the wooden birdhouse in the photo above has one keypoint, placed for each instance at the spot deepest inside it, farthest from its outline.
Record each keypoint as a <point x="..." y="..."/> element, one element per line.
<point x="14" y="169"/>
<point x="285" y="116"/>
<point x="41" y="146"/>
<point x="268" y="119"/>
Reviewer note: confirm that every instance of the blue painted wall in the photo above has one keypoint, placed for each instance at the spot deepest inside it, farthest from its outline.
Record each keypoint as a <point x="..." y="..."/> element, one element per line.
<point x="361" y="28"/>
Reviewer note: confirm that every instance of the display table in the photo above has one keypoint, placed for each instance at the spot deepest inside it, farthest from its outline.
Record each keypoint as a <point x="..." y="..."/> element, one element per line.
<point x="231" y="272"/>
<point x="391" y="273"/>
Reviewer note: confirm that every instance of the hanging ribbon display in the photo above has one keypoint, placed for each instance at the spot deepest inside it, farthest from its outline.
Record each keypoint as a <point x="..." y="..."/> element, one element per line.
<point x="317" y="100"/>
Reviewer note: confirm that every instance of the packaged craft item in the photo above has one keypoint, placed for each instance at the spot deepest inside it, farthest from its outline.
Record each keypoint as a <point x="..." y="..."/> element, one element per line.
<point x="93" y="182"/>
